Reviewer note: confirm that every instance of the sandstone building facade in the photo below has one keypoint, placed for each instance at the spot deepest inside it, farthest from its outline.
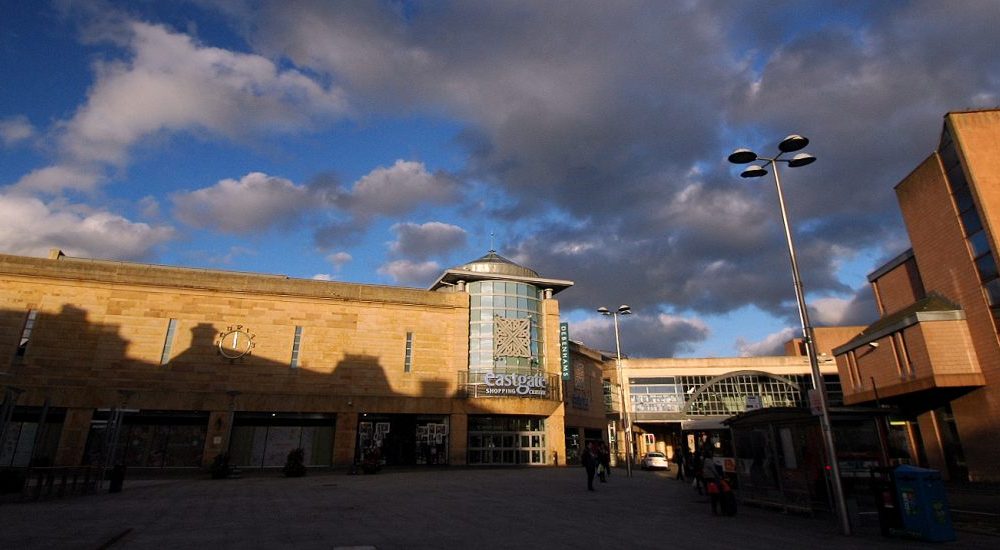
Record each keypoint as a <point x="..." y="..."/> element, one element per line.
<point x="154" y="366"/>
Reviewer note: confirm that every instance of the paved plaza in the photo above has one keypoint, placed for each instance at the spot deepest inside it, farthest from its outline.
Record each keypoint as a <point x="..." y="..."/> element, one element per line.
<point x="447" y="508"/>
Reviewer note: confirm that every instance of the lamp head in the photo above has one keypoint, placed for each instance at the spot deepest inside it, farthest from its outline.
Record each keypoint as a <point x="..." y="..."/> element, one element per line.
<point x="603" y="311"/>
<point x="742" y="156"/>
<point x="624" y="309"/>
<point x="754" y="171"/>
<point x="801" y="159"/>
<point x="792" y="143"/>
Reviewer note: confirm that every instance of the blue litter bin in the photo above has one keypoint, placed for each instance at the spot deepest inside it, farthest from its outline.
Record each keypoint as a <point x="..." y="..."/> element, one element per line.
<point x="923" y="504"/>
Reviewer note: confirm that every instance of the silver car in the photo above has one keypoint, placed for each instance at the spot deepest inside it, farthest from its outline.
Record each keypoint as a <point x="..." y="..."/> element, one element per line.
<point x="655" y="461"/>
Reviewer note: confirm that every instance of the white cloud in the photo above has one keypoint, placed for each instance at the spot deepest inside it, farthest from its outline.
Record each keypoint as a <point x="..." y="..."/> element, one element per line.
<point x="397" y="189"/>
<point x="339" y="259"/>
<point x="322" y="277"/>
<point x="53" y="179"/>
<point x="16" y="129"/>
<point x="772" y="344"/>
<point x="425" y="240"/>
<point x="171" y="84"/>
<point x="828" y="311"/>
<point x="30" y="227"/>
<point x="409" y="272"/>
<point x="255" y="202"/>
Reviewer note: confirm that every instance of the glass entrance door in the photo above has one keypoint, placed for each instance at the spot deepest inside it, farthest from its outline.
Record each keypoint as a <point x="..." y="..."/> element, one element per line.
<point x="506" y="441"/>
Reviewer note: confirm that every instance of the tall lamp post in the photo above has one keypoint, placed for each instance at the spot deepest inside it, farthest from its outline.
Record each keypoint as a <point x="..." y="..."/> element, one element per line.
<point x="791" y="144"/>
<point x="623" y="414"/>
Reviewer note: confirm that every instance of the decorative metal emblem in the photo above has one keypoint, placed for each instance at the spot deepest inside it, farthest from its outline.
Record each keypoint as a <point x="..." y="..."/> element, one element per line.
<point x="511" y="337"/>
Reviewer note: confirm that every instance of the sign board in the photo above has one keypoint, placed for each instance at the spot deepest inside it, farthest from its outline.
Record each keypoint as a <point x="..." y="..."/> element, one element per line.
<point x="564" y="350"/>
<point x="815" y="402"/>
<point x="753" y="402"/>
<point x="516" y="384"/>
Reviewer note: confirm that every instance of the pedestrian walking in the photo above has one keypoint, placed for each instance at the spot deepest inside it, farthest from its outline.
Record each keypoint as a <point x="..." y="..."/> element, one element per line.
<point x="681" y="461"/>
<point x="590" y="464"/>
<point x="713" y="490"/>
<point x="705" y="471"/>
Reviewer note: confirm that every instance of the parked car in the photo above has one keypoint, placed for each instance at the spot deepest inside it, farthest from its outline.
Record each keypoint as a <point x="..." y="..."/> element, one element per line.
<point x="655" y="461"/>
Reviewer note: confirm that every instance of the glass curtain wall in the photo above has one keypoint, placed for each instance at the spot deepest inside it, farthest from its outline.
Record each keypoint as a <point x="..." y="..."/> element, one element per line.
<point x="508" y="299"/>
<point x="725" y="397"/>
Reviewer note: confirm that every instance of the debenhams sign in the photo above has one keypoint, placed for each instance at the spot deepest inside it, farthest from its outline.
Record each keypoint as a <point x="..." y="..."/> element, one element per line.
<point x="516" y="384"/>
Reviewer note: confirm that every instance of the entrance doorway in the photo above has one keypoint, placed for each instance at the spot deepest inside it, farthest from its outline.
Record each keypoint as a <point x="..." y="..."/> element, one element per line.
<point x="507" y="440"/>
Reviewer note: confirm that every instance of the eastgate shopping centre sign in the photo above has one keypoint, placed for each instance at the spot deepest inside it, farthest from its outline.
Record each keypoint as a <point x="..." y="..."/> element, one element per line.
<point x="516" y="384"/>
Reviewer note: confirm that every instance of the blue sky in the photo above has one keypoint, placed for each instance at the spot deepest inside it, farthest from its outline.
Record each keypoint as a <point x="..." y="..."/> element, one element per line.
<point x="382" y="142"/>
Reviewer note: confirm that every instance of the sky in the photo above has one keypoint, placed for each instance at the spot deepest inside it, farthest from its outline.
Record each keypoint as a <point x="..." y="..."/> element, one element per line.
<point x="382" y="142"/>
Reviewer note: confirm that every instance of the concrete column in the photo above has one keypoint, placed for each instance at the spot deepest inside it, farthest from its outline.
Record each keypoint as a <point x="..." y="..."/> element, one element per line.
<point x="933" y="448"/>
<point x="345" y="438"/>
<point x="458" y="439"/>
<point x="73" y="438"/>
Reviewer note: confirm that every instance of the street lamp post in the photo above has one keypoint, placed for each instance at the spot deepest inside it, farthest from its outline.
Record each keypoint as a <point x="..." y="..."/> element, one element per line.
<point x="623" y="413"/>
<point x="791" y="144"/>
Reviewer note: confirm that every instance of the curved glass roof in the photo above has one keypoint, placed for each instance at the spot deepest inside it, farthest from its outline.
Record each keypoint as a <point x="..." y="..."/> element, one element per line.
<point x="497" y="264"/>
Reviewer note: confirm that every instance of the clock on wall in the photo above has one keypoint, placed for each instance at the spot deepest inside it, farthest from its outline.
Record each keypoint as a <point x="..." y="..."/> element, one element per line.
<point x="236" y="342"/>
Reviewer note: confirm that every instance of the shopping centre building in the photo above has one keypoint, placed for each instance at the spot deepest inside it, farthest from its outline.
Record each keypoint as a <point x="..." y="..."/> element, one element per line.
<point x="160" y="366"/>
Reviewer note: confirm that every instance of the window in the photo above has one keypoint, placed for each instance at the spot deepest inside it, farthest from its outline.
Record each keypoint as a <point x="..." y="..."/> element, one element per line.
<point x="408" y="356"/>
<point x="977" y="240"/>
<point x="29" y="325"/>
<point x="168" y="342"/>
<point x="296" y="342"/>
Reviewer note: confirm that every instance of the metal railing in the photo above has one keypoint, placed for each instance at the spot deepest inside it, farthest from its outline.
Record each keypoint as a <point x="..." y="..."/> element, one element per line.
<point x="59" y="482"/>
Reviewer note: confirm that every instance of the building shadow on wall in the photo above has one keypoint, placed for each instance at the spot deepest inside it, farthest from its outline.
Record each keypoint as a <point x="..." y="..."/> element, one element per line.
<point x="69" y="362"/>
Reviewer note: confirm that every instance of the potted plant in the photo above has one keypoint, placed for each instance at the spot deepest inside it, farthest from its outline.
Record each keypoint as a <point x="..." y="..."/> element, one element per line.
<point x="295" y="464"/>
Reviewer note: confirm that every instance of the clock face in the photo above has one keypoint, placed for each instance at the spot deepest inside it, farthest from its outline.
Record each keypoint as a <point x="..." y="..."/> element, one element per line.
<point x="236" y="342"/>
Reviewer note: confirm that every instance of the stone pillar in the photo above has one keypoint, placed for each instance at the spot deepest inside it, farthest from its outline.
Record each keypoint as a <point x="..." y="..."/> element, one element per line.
<point x="345" y="438"/>
<point x="933" y="448"/>
<point x="217" y="436"/>
<point x="458" y="439"/>
<point x="555" y="437"/>
<point x="73" y="438"/>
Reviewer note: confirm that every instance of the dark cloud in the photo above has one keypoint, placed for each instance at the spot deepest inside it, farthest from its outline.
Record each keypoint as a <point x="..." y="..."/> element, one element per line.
<point x="641" y="335"/>
<point x="606" y="127"/>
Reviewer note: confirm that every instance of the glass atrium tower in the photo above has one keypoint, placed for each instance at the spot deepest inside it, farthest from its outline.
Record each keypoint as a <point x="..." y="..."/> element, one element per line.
<point x="506" y="321"/>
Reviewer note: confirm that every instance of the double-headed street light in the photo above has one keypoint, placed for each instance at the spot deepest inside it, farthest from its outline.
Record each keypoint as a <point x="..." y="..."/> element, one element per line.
<point x="791" y="144"/>
<point x="623" y="413"/>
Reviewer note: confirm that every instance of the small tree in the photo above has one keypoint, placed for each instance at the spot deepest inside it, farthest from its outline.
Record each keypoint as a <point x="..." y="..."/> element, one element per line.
<point x="295" y="464"/>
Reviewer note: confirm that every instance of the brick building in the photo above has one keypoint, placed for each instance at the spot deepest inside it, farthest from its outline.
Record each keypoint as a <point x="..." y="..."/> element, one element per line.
<point x="934" y="352"/>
